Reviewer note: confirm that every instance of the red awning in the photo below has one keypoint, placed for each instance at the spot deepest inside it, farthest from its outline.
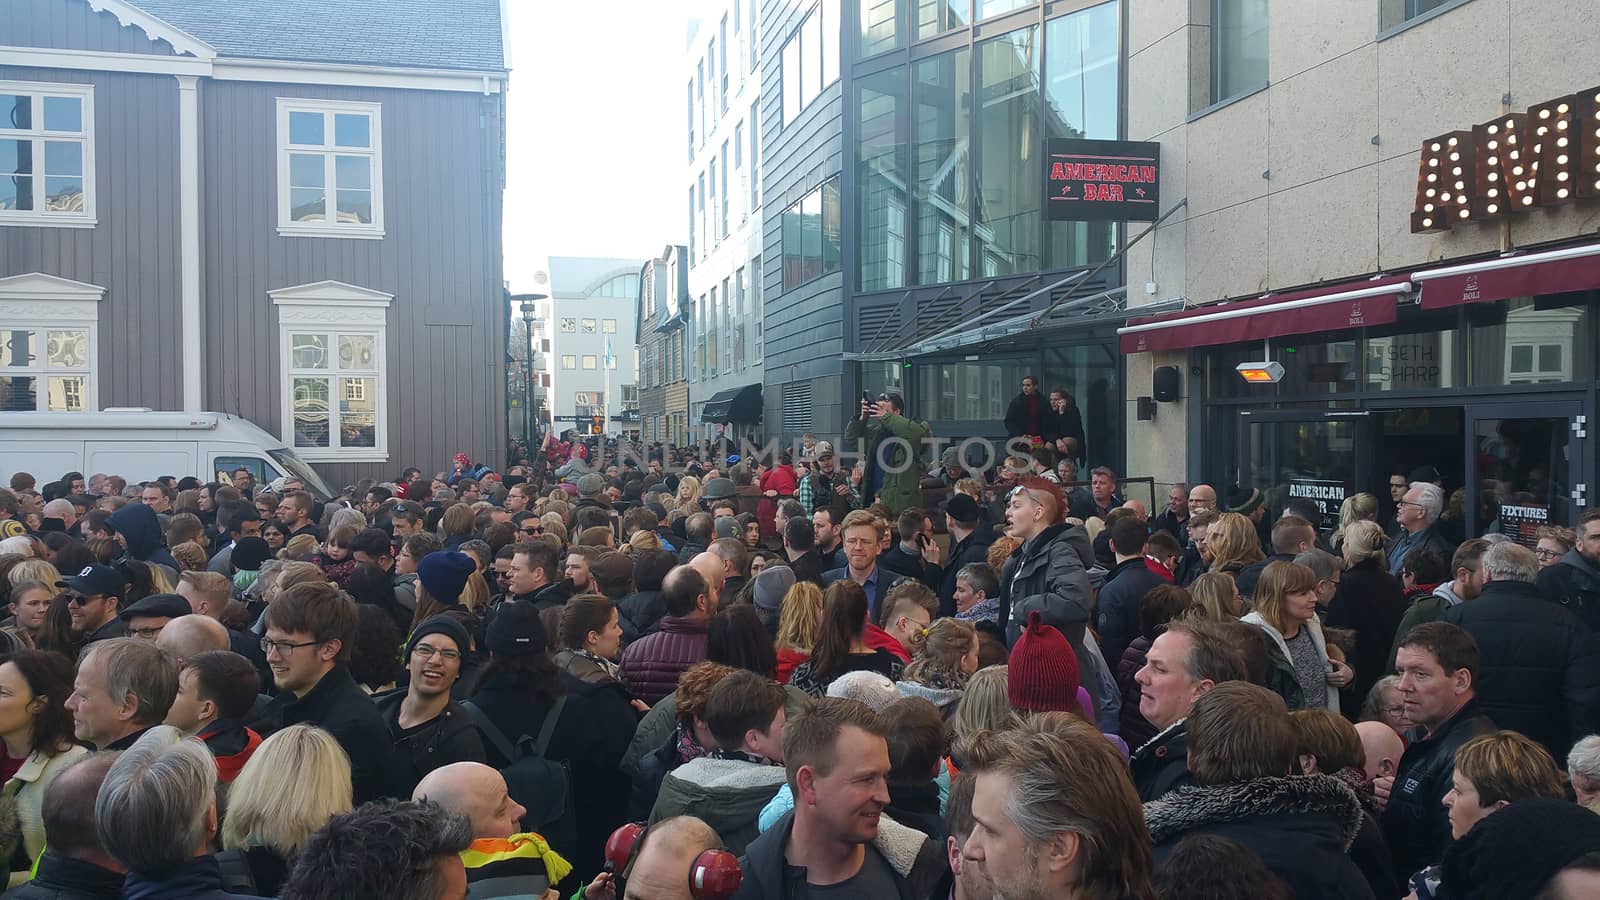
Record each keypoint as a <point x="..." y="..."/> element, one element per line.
<point x="1351" y="304"/>
<point x="1526" y="275"/>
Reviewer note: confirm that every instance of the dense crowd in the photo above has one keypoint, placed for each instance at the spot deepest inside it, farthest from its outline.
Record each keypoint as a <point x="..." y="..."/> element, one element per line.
<point x="653" y="672"/>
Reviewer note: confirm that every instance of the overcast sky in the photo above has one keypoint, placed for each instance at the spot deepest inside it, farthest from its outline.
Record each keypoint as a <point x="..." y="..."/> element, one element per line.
<point x="595" y="135"/>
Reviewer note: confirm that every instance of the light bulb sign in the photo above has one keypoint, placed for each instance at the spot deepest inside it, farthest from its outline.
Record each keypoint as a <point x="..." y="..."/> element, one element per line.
<point x="1098" y="180"/>
<point x="1515" y="162"/>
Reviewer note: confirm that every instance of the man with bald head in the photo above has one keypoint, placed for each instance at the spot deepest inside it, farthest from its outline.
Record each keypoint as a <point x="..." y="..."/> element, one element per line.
<point x="714" y="570"/>
<point x="1139" y="511"/>
<point x="191" y="635"/>
<point x="497" y="861"/>
<point x="660" y="869"/>
<point x="1202" y="496"/>
<point x="1383" y="748"/>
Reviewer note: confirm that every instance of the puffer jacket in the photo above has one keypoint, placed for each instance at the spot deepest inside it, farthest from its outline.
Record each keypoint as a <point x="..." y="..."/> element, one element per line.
<point x="1415" y="822"/>
<point x="1301" y="826"/>
<point x="1538" y="672"/>
<point x="141" y="530"/>
<point x="1051" y="574"/>
<point x="1574" y="583"/>
<point x="727" y="793"/>
<point x="652" y="665"/>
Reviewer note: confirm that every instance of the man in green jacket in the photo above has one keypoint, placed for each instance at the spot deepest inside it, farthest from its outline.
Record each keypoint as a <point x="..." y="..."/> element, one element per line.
<point x="1467" y="583"/>
<point x="896" y="480"/>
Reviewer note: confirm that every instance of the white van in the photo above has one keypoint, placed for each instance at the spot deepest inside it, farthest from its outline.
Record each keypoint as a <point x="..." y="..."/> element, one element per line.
<point x="141" y="445"/>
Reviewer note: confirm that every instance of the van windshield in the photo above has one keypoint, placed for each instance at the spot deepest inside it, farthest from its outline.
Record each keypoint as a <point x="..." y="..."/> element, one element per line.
<point x="297" y="467"/>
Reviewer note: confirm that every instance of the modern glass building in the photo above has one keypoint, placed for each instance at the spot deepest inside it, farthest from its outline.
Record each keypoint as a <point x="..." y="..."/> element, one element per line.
<point x="904" y="173"/>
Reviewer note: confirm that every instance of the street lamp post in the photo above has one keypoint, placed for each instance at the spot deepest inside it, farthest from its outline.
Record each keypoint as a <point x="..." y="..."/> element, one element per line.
<point x="529" y="311"/>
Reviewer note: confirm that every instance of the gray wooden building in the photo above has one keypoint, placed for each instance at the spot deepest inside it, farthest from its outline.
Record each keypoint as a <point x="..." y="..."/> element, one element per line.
<point x="287" y="210"/>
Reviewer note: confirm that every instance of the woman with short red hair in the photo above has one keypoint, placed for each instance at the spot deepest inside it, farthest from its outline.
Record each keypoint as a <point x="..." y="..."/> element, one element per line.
<point x="1049" y="572"/>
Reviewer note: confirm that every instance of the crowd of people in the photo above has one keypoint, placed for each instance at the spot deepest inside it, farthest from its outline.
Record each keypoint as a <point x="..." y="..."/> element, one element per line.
<point x="677" y="673"/>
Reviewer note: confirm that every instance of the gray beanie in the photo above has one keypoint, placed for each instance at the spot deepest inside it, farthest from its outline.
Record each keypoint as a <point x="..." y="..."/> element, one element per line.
<point x="771" y="586"/>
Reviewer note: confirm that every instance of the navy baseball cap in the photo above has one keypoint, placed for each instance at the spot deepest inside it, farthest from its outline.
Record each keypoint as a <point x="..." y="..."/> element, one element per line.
<point x="96" y="580"/>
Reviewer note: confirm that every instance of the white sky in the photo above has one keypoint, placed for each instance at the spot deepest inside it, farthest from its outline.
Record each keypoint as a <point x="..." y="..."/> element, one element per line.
<point x="595" y="136"/>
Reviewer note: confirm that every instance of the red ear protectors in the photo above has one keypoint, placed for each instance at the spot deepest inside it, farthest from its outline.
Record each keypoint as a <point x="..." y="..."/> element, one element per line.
<point x="714" y="874"/>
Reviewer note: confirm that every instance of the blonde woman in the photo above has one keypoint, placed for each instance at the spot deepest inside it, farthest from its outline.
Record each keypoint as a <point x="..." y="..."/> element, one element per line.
<point x="33" y="570"/>
<point x="1233" y="543"/>
<point x="300" y="548"/>
<point x="985" y="705"/>
<point x="1361" y="507"/>
<point x="799" y="618"/>
<point x="1286" y="609"/>
<point x="269" y="816"/>
<point x="945" y="654"/>
<point x="1369" y="601"/>
<point x="1216" y="598"/>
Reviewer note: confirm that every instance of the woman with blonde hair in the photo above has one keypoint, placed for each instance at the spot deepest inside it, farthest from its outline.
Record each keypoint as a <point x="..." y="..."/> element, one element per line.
<point x="269" y="816"/>
<point x="32" y="570"/>
<point x="1369" y="601"/>
<point x="688" y="496"/>
<point x="985" y="705"/>
<point x="1362" y="507"/>
<point x="300" y="548"/>
<point x="1234" y="543"/>
<point x="1286" y="609"/>
<point x="1216" y="598"/>
<point x="799" y="618"/>
<point x="944" y="656"/>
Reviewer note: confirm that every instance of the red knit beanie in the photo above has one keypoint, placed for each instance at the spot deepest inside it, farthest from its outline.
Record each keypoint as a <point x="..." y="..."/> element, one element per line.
<point x="1042" y="674"/>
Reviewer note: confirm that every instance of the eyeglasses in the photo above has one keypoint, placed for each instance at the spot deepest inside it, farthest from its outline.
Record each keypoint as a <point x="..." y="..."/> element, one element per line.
<point x="1408" y="503"/>
<point x="285" y="647"/>
<point x="1543" y="553"/>
<point x="427" y="651"/>
<point x="77" y="599"/>
<point x="149" y="632"/>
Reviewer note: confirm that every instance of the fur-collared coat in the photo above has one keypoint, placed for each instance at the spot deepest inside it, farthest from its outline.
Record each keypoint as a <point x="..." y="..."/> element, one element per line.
<point x="1301" y="826"/>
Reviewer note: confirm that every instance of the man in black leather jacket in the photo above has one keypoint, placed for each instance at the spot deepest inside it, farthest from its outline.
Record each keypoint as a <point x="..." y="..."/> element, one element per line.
<point x="1437" y="663"/>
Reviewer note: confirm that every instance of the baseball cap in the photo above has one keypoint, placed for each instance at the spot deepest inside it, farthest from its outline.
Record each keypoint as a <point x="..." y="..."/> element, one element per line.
<point x="821" y="449"/>
<point x="96" y="579"/>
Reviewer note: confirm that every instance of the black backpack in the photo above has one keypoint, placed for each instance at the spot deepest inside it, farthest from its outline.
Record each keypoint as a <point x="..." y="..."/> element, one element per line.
<point x="542" y="786"/>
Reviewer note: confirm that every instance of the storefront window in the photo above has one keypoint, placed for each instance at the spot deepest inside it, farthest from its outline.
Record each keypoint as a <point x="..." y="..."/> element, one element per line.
<point x="881" y="180"/>
<point x="1009" y="186"/>
<point x="1413" y="356"/>
<point x="1222" y="379"/>
<point x="1318" y="367"/>
<point x="1090" y="372"/>
<point x="1525" y="341"/>
<point x="941" y="152"/>
<point x="1080" y="82"/>
<point x="968" y="390"/>
<point x="881" y="378"/>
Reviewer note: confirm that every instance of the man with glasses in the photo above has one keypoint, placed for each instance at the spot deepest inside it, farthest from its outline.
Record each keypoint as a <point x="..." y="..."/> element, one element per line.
<point x="1418" y="515"/>
<point x="94" y="597"/>
<point x="1574" y="582"/>
<point x="528" y="525"/>
<point x="863" y="538"/>
<point x="518" y="498"/>
<point x="309" y="631"/>
<point x="147" y="617"/>
<point x="429" y="729"/>
<point x="1202" y="497"/>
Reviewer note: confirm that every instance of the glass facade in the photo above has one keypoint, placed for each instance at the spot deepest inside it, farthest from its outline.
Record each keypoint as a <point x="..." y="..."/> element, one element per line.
<point x="949" y="185"/>
<point x="811" y="235"/>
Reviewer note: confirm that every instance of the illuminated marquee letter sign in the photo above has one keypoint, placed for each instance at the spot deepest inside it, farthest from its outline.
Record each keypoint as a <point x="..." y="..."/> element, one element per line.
<point x="1089" y="180"/>
<point x="1518" y="161"/>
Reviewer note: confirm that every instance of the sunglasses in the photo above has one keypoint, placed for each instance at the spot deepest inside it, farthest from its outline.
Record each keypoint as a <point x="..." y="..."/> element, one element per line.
<point x="1019" y="489"/>
<point x="77" y="599"/>
<point x="533" y="531"/>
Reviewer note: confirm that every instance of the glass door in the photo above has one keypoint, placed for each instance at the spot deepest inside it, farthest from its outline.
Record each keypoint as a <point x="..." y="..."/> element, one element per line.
<point x="1320" y="456"/>
<point x="1529" y="466"/>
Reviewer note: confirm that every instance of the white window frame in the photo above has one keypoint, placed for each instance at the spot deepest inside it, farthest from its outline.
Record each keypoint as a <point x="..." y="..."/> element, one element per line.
<point x="569" y="362"/>
<point x="39" y="302"/>
<point x="38" y="217"/>
<point x="330" y="228"/>
<point x="334" y="308"/>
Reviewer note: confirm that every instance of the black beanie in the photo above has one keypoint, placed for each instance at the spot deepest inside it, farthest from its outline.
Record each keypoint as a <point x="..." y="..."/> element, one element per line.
<point x="445" y="625"/>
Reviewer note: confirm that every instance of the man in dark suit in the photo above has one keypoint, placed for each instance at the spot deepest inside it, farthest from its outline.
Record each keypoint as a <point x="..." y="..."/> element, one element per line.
<point x="863" y="535"/>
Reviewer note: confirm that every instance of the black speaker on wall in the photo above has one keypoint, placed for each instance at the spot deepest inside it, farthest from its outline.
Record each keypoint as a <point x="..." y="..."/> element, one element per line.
<point x="1165" y="383"/>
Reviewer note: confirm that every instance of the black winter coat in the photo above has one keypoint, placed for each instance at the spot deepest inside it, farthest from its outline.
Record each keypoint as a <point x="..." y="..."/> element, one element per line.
<point x="1416" y="823"/>
<point x="1300" y="826"/>
<point x="1370" y="602"/>
<point x="1538" y="672"/>
<point x="1068" y="424"/>
<point x="1117" y="609"/>
<point x="1161" y="765"/>
<point x="340" y="707"/>
<point x="1019" y="422"/>
<point x="449" y="738"/>
<point x="1575" y="584"/>
<point x="644" y="609"/>
<point x="59" y="878"/>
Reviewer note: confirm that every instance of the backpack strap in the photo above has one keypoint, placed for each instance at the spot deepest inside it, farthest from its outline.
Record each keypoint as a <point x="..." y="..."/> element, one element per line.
<point x="549" y="727"/>
<point x="496" y="737"/>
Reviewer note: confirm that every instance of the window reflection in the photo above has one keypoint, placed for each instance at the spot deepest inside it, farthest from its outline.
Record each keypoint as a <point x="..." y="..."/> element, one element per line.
<point x="941" y="95"/>
<point x="1009" y="183"/>
<point x="881" y="179"/>
<point x="1526" y="342"/>
<point x="1323" y="367"/>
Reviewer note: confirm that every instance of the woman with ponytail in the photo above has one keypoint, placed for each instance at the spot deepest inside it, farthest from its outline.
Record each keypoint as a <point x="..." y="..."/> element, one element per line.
<point x="944" y="656"/>
<point x="841" y="643"/>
